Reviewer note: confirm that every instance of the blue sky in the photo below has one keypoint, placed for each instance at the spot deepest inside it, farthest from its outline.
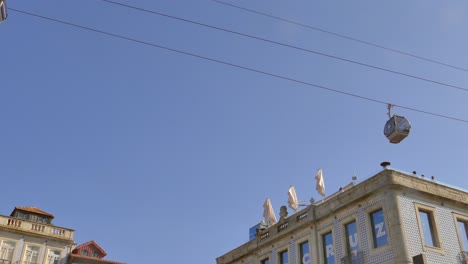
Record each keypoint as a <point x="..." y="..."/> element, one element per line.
<point x="162" y="157"/>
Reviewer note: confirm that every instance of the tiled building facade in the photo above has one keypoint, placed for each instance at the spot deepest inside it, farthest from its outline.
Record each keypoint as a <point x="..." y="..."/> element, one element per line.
<point x="392" y="217"/>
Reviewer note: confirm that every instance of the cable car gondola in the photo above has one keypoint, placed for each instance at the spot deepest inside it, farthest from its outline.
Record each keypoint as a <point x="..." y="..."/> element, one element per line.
<point x="397" y="127"/>
<point x="3" y="11"/>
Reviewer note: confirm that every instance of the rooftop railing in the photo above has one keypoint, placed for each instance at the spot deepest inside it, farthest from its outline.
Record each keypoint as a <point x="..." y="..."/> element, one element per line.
<point x="37" y="228"/>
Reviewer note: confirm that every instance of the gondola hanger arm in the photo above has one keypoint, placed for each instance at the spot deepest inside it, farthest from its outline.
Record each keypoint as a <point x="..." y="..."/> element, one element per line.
<point x="389" y="108"/>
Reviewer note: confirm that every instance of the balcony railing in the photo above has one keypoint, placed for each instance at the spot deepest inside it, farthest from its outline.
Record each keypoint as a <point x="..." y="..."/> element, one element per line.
<point x="264" y="235"/>
<point x="302" y="217"/>
<point x="37" y="228"/>
<point x="283" y="226"/>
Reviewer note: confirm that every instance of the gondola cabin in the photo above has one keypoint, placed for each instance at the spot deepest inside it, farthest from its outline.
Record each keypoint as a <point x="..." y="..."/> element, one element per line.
<point x="397" y="128"/>
<point x="3" y="11"/>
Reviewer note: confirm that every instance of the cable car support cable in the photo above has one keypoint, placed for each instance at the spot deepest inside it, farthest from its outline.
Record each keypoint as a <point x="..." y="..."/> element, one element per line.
<point x="287" y="45"/>
<point x="232" y="64"/>
<point x="342" y="36"/>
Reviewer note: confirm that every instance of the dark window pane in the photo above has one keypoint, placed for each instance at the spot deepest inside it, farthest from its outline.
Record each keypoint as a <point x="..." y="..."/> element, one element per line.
<point x="328" y="250"/>
<point x="283" y="257"/>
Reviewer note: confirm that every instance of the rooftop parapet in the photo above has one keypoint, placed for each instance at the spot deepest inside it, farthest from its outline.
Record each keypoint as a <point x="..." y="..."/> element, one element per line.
<point x="34" y="228"/>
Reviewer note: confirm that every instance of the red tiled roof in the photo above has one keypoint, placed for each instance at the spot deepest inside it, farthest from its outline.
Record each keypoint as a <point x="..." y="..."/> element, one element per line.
<point x="92" y="242"/>
<point x="88" y="259"/>
<point x="32" y="209"/>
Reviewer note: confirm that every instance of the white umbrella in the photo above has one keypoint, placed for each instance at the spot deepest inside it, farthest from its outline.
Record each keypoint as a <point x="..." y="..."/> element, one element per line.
<point x="292" y="199"/>
<point x="320" y="186"/>
<point x="268" y="213"/>
<point x="3" y="11"/>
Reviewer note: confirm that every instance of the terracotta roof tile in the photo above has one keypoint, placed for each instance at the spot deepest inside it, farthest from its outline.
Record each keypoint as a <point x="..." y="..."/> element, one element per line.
<point x="92" y="242"/>
<point x="87" y="259"/>
<point x="32" y="209"/>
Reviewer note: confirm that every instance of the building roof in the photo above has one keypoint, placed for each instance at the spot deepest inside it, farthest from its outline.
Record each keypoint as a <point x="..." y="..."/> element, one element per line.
<point x="77" y="257"/>
<point x="90" y="260"/>
<point x="90" y="243"/>
<point x="32" y="209"/>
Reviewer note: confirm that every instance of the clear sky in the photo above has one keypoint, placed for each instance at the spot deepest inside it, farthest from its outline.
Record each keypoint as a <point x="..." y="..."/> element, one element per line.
<point x="166" y="158"/>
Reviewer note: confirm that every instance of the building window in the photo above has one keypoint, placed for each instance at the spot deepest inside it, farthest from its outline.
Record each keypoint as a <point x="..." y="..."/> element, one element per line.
<point x="352" y="242"/>
<point x="463" y="233"/>
<point x="95" y="254"/>
<point x="304" y="254"/>
<point x="20" y="215"/>
<point x="265" y="261"/>
<point x="33" y="218"/>
<point x="53" y="257"/>
<point x="6" y="251"/>
<point x="84" y="252"/>
<point x="427" y="226"/>
<point x="283" y="257"/>
<point x="23" y="216"/>
<point x="379" y="231"/>
<point x="328" y="249"/>
<point x="31" y="255"/>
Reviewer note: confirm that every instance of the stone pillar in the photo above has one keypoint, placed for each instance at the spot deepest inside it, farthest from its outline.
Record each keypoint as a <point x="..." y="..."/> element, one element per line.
<point x="398" y="238"/>
<point x="19" y="251"/>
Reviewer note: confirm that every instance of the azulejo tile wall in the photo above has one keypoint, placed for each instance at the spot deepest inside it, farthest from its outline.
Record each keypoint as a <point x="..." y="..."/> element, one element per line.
<point x="448" y="236"/>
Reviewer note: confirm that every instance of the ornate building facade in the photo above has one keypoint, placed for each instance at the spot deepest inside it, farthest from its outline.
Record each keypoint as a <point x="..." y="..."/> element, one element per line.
<point x="28" y="236"/>
<point x="392" y="217"/>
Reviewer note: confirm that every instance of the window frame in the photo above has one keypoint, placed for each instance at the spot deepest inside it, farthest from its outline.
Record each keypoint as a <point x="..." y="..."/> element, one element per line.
<point x="322" y="247"/>
<point x="48" y="249"/>
<point x="280" y="256"/>
<point x="14" y="249"/>
<point x="372" y="224"/>
<point x="461" y="218"/>
<point x="299" y="249"/>
<point x="370" y="228"/>
<point x="264" y="256"/>
<point x="23" y="253"/>
<point x="344" y="223"/>
<point x="433" y="226"/>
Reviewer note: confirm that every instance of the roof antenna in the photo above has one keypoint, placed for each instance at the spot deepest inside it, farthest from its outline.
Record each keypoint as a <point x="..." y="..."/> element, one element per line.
<point x="354" y="177"/>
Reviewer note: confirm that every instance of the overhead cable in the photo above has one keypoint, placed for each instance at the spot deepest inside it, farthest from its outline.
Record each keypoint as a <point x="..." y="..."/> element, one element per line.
<point x="288" y="45"/>
<point x="342" y="36"/>
<point x="109" y="34"/>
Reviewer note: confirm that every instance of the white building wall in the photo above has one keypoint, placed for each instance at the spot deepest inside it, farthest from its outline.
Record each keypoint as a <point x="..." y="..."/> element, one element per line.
<point x="450" y="247"/>
<point x="43" y="244"/>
